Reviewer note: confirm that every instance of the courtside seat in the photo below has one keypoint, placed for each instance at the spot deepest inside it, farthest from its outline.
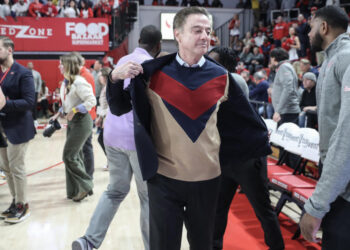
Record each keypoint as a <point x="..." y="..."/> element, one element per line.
<point x="290" y="182"/>
<point x="301" y="195"/>
<point x="273" y="170"/>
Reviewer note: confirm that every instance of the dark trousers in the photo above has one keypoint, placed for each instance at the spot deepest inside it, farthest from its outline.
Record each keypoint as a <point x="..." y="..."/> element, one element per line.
<point x="252" y="176"/>
<point x="294" y="118"/>
<point x="336" y="226"/>
<point x="172" y="203"/>
<point x="35" y="107"/>
<point x="100" y="140"/>
<point x="89" y="156"/>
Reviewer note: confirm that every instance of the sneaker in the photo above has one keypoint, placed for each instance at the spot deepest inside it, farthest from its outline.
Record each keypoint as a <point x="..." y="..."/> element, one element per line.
<point x="80" y="196"/>
<point x="8" y="211"/>
<point x="105" y="168"/>
<point x="20" y="213"/>
<point x="82" y="244"/>
<point x="36" y="124"/>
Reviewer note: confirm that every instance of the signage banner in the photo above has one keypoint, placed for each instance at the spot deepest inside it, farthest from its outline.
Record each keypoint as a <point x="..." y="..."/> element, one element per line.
<point x="57" y="34"/>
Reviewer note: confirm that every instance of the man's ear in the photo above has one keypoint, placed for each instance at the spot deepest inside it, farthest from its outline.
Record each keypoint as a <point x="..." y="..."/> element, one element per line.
<point x="177" y="35"/>
<point x="324" y="28"/>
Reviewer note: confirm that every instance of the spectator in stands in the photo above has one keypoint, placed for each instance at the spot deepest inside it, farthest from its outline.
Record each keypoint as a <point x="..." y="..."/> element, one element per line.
<point x="284" y="90"/>
<point x="305" y="66"/>
<point x="259" y="39"/>
<point x="259" y="93"/>
<point x="313" y="11"/>
<point x="43" y="99"/>
<point x="234" y="26"/>
<point x="294" y="44"/>
<point x="247" y="38"/>
<point x="279" y="31"/>
<point x="49" y="9"/>
<point x="308" y="102"/>
<point x="172" y="3"/>
<point x="85" y="10"/>
<point x="246" y="76"/>
<point x="238" y="46"/>
<point x="37" y="86"/>
<point x="303" y="30"/>
<point x="250" y="175"/>
<point x="71" y="11"/>
<point x="34" y="9"/>
<point x="256" y="10"/>
<point x="5" y="9"/>
<point x="287" y="4"/>
<point x="329" y="204"/>
<point x="61" y="8"/>
<point x="102" y="9"/>
<point x="240" y="67"/>
<point x="266" y="48"/>
<point x="246" y="56"/>
<point x="214" y="40"/>
<point x="257" y="60"/>
<point x="217" y="4"/>
<point x="19" y="9"/>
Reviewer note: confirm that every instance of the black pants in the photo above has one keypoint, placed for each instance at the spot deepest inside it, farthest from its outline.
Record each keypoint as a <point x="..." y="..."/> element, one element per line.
<point x="294" y="118"/>
<point x="252" y="176"/>
<point x="89" y="157"/>
<point x="336" y="226"/>
<point x="172" y="203"/>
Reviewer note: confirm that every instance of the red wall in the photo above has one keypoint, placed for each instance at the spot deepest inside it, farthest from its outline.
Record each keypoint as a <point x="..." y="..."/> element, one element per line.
<point x="49" y="70"/>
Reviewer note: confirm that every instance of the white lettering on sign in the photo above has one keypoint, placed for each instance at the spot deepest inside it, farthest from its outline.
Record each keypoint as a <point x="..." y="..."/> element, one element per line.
<point x="25" y="31"/>
<point x="82" y="34"/>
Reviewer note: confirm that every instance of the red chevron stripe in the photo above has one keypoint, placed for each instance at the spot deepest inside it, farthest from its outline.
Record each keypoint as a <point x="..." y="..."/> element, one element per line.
<point x="193" y="103"/>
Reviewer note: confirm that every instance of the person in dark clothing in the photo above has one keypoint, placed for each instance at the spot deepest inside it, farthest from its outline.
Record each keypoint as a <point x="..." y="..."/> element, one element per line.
<point x="217" y="4"/>
<point x="308" y="116"/>
<point x="303" y="30"/>
<point x="251" y="175"/>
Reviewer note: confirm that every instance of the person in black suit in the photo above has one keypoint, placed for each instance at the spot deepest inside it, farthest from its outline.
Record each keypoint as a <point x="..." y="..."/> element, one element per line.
<point x="17" y="128"/>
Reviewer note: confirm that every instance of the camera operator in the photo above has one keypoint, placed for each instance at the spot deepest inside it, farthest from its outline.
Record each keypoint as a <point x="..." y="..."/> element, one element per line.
<point x="77" y="99"/>
<point x="18" y="128"/>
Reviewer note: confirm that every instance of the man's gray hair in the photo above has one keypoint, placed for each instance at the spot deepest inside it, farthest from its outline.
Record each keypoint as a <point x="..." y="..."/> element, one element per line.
<point x="259" y="75"/>
<point x="181" y="16"/>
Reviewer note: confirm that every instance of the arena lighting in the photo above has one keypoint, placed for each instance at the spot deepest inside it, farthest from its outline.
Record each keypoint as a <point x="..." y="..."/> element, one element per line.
<point x="166" y="25"/>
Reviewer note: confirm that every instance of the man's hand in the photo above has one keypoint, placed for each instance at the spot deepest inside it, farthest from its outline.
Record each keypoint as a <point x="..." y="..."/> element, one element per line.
<point x="309" y="226"/>
<point x="127" y="70"/>
<point x="98" y="122"/>
<point x="276" y="117"/>
<point x="2" y="99"/>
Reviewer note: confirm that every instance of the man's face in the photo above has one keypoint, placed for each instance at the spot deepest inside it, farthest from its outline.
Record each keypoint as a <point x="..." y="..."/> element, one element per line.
<point x="97" y="66"/>
<point x="316" y="39"/>
<point x="304" y="67"/>
<point x="308" y="84"/>
<point x="273" y="62"/>
<point x="4" y="53"/>
<point x="194" y="37"/>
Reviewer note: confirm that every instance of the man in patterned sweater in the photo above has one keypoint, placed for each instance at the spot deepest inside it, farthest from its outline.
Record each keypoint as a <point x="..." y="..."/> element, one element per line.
<point x="189" y="118"/>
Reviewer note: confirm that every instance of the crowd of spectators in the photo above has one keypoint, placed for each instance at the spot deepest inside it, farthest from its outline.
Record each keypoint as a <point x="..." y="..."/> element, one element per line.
<point x="58" y="8"/>
<point x="253" y="51"/>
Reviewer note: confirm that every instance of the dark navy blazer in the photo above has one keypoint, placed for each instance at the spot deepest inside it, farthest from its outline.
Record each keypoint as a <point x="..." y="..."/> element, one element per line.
<point x="243" y="133"/>
<point x="18" y="88"/>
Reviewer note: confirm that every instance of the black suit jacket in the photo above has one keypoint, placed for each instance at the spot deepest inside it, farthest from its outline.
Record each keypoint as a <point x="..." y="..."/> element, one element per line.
<point x="17" y="120"/>
<point x="243" y="133"/>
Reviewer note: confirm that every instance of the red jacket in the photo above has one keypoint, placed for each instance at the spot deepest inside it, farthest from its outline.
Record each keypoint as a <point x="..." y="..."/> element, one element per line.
<point x="49" y="11"/>
<point x="34" y="9"/>
<point x="280" y="30"/>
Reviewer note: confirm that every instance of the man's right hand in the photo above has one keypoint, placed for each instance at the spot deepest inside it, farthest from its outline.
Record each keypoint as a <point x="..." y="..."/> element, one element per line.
<point x="127" y="70"/>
